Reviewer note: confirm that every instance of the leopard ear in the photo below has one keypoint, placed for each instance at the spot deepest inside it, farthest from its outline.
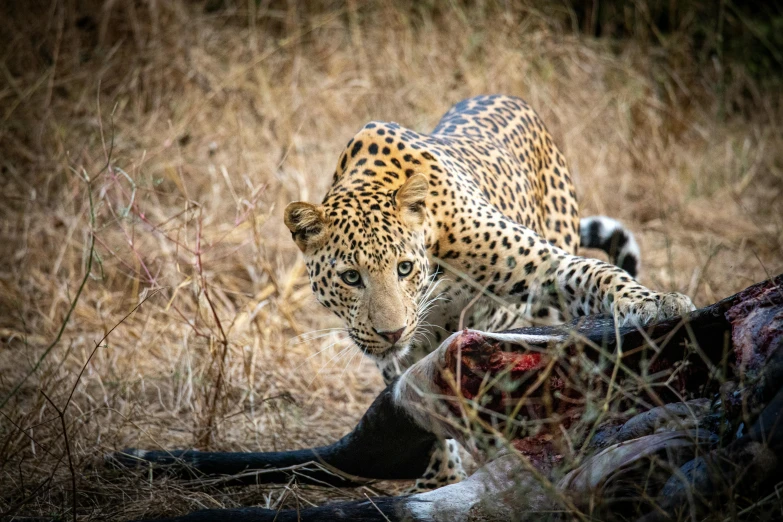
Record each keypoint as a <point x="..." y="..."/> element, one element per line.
<point x="307" y="224"/>
<point x="411" y="200"/>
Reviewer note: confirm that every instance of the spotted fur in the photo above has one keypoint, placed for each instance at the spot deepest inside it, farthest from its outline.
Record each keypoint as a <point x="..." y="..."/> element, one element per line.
<point x="415" y="227"/>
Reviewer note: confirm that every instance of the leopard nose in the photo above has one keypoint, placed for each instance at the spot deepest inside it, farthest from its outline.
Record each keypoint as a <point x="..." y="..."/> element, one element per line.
<point x="392" y="337"/>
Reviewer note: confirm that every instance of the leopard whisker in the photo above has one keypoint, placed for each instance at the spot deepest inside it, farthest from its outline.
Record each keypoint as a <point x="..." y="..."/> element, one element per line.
<point x="324" y="366"/>
<point x="427" y="302"/>
<point x="431" y="288"/>
<point x="426" y="307"/>
<point x="315" y="334"/>
<point x="424" y="310"/>
<point x="322" y="351"/>
<point x="355" y="353"/>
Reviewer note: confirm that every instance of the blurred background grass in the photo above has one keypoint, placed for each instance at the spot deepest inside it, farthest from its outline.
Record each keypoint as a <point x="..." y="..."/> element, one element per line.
<point x="192" y="123"/>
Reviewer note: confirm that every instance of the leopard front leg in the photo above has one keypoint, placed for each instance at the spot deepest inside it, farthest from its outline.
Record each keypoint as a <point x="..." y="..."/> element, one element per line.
<point x="445" y="467"/>
<point x="521" y="266"/>
<point x="587" y="286"/>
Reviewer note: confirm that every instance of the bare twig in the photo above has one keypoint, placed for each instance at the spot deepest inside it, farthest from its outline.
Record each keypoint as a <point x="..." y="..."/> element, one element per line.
<point x="74" y="491"/>
<point x="206" y="436"/>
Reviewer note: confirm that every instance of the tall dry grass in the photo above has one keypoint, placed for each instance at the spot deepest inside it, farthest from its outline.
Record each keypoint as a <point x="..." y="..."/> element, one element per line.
<point x="172" y="134"/>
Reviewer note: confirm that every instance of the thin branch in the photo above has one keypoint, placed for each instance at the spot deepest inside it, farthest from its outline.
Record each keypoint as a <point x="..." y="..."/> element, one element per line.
<point x="74" y="492"/>
<point x="106" y="335"/>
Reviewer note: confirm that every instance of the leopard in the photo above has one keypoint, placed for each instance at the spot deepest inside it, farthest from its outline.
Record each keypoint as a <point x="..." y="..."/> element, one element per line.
<point x="474" y="225"/>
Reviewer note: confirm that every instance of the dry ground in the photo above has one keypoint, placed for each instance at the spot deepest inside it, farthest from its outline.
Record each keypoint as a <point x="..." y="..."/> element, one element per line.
<point x="173" y="135"/>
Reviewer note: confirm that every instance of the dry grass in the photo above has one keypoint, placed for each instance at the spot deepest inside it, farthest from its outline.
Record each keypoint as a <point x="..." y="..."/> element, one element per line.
<point x="210" y="122"/>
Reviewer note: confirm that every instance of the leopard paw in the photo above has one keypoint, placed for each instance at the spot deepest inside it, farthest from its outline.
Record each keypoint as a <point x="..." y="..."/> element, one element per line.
<point x="629" y="311"/>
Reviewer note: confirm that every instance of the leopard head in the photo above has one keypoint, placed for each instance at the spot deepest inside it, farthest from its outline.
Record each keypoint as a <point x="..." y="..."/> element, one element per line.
<point x="365" y="251"/>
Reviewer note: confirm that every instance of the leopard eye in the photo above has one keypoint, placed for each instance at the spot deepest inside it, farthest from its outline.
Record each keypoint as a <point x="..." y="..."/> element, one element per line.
<point x="405" y="268"/>
<point x="351" y="278"/>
